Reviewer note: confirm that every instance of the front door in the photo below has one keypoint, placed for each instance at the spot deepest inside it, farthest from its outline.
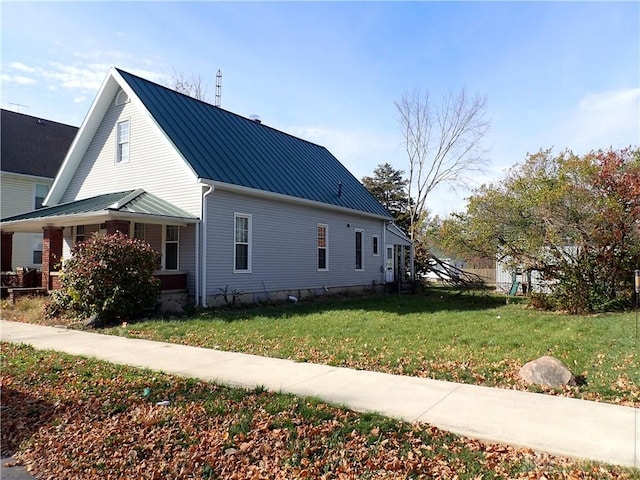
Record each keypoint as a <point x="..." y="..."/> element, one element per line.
<point x="389" y="270"/>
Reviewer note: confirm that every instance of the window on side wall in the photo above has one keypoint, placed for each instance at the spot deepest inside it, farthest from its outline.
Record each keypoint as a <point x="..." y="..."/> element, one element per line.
<point x="323" y="250"/>
<point x="171" y="243"/>
<point x="242" y="243"/>
<point x="375" y="242"/>
<point x="80" y="233"/>
<point x="122" y="147"/>
<point x="140" y="231"/>
<point x="40" y="194"/>
<point x="36" y="247"/>
<point x="359" y="249"/>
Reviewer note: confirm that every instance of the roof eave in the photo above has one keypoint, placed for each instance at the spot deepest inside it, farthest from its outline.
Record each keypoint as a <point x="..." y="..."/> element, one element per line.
<point x="290" y="199"/>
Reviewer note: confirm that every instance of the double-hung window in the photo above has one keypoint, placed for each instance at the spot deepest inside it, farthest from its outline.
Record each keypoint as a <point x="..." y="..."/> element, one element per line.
<point x="140" y="230"/>
<point x="122" y="133"/>
<point x="375" y="242"/>
<point x="242" y="243"/>
<point x="323" y="257"/>
<point x="359" y="249"/>
<point x="171" y="244"/>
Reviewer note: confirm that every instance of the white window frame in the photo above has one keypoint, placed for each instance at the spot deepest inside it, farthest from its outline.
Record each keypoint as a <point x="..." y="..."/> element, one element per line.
<point x="164" y="248"/>
<point x="142" y="235"/>
<point x="325" y="248"/>
<point x="122" y="97"/>
<point x="80" y="234"/>
<point x="35" y="194"/>
<point x="119" y="159"/>
<point x="249" y="241"/>
<point x="375" y="245"/>
<point x="36" y="241"/>
<point x="355" y="239"/>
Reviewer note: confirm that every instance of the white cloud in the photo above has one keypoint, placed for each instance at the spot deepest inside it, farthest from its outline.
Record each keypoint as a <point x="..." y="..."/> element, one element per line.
<point x="361" y="151"/>
<point x="76" y="77"/>
<point x="605" y="119"/>
<point x="18" y="79"/>
<point x="22" y="67"/>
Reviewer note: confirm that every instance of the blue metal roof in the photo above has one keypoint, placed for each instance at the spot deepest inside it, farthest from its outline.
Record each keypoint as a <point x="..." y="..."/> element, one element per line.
<point x="224" y="147"/>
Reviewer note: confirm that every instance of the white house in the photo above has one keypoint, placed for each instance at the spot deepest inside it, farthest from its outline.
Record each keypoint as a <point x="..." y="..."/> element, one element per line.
<point x="32" y="150"/>
<point x="232" y="204"/>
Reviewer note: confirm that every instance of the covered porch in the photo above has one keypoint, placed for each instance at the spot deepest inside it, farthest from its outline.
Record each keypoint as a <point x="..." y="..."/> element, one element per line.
<point x="136" y="213"/>
<point x="399" y="260"/>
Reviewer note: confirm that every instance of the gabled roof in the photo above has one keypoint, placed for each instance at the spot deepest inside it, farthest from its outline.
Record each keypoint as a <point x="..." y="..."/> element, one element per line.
<point x="127" y="204"/>
<point x="221" y="146"/>
<point x="31" y="145"/>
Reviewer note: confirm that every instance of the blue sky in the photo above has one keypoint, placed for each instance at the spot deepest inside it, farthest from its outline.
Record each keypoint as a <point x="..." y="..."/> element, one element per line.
<point x="555" y="74"/>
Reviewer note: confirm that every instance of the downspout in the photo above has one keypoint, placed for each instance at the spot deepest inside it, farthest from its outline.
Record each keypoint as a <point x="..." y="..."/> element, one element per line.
<point x="203" y="262"/>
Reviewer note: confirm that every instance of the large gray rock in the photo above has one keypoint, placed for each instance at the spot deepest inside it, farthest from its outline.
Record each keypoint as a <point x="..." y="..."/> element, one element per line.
<point x="547" y="371"/>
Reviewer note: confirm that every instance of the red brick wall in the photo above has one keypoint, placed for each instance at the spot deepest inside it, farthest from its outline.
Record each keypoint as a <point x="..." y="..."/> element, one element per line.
<point x="51" y="253"/>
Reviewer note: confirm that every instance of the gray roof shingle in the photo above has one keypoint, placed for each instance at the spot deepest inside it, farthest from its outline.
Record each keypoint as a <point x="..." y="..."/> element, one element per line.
<point x="31" y="145"/>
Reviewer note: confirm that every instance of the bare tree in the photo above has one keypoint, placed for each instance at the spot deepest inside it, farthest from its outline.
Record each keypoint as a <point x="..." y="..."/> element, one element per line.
<point x="193" y="86"/>
<point x="443" y="144"/>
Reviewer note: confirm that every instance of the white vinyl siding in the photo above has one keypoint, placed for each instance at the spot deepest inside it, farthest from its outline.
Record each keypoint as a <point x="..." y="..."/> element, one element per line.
<point x="284" y="247"/>
<point x="18" y="196"/>
<point x="154" y="166"/>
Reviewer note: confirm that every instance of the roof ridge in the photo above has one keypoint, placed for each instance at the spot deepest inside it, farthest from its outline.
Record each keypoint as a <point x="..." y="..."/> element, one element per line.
<point x="224" y="110"/>
<point x="48" y="120"/>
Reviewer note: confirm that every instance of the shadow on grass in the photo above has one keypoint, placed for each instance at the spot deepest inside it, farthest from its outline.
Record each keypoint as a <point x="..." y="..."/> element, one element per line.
<point x="431" y="301"/>
<point x="22" y="416"/>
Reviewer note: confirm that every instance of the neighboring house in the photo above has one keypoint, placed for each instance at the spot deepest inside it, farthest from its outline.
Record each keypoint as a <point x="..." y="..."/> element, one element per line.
<point x="32" y="150"/>
<point x="232" y="204"/>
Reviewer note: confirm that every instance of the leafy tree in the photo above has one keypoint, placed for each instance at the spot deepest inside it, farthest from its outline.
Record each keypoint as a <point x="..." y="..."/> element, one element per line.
<point x="390" y="189"/>
<point x="109" y="276"/>
<point x="575" y="219"/>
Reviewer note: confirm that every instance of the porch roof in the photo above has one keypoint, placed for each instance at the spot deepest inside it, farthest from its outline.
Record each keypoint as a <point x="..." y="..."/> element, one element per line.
<point x="136" y="205"/>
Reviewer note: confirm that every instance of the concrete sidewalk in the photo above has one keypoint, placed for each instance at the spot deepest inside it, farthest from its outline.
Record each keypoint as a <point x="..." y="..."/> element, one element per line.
<point x="564" y="426"/>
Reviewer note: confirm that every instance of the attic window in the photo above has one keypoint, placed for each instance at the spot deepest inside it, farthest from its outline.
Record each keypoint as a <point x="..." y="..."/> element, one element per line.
<point x="122" y="98"/>
<point x="122" y="147"/>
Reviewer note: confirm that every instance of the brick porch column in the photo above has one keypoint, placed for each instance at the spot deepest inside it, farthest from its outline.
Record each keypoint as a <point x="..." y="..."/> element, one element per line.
<point x="7" y="251"/>
<point x="51" y="253"/>
<point x="114" y="226"/>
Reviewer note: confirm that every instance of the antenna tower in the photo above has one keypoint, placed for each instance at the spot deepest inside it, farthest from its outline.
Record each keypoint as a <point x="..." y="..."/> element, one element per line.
<point x="18" y="106"/>
<point x="218" y="88"/>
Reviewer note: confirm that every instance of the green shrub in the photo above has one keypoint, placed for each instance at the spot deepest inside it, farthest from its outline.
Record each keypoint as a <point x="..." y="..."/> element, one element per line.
<point x="109" y="276"/>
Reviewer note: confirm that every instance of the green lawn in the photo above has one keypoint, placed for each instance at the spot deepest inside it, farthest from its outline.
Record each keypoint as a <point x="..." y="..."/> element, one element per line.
<point x="73" y="417"/>
<point x="472" y="338"/>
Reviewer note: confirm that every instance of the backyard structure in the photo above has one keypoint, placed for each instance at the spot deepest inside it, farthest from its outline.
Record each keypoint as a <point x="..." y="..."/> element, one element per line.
<point x="238" y="210"/>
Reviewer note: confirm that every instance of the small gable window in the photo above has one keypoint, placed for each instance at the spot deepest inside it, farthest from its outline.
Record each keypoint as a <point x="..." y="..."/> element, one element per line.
<point x="122" y="98"/>
<point x="122" y="152"/>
